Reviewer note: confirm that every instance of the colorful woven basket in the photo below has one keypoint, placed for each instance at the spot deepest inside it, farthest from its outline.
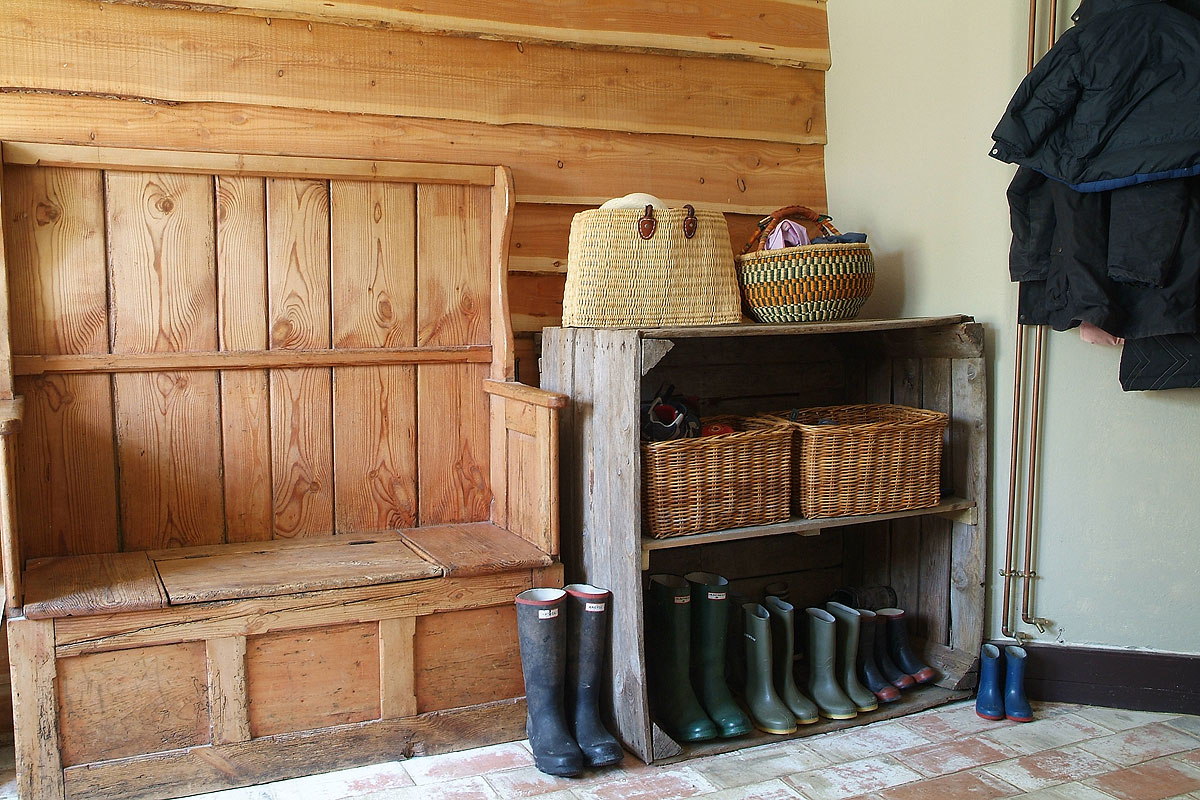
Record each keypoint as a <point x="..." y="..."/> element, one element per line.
<point x="809" y="283"/>
<point x="639" y="269"/>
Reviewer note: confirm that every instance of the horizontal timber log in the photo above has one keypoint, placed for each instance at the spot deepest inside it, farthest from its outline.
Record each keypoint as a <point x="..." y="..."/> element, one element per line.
<point x="76" y="636"/>
<point x="287" y="755"/>
<point x="780" y="32"/>
<point x="183" y="56"/>
<point x="550" y="165"/>
<point x="249" y="359"/>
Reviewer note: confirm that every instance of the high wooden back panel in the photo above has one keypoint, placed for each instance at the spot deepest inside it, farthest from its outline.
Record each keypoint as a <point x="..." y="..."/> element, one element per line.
<point x="222" y="350"/>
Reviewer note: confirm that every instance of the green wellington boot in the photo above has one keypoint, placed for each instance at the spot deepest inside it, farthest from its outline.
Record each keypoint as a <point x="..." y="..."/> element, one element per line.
<point x="822" y="682"/>
<point x="783" y="646"/>
<point x="770" y="713"/>
<point x="673" y="703"/>
<point x="710" y="626"/>
<point x="848" y="624"/>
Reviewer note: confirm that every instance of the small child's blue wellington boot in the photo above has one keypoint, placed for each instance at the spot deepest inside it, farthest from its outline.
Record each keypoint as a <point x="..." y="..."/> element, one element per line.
<point x="989" y="703"/>
<point x="1016" y="705"/>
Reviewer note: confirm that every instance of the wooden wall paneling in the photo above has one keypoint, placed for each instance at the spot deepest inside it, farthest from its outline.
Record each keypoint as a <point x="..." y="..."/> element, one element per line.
<point x="301" y="399"/>
<point x="536" y="300"/>
<point x="245" y="60"/>
<point x="397" y="679"/>
<point x="227" y="698"/>
<point x="35" y="708"/>
<point x="162" y="276"/>
<point x="6" y="372"/>
<point x="165" y="684"/>
<point x="778" y="32"/>
<point x="906" y="533"/>
<point x="373" y="284"/>
<point x="313" y="678"/>
<point x="934" y="624"/>
<point x="531" y="475"/>
<point x="245" y="394"/>
<point x="10" y="541"/>
<point x="551" y="165"/>
<point x="67" y="470"/>
<point x="453" y="308"/>
<point x="467" y="657"/>
<point x="968" y="556"/>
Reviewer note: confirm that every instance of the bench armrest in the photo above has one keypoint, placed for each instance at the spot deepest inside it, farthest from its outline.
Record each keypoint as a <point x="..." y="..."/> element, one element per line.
<point x="524" y="393"/>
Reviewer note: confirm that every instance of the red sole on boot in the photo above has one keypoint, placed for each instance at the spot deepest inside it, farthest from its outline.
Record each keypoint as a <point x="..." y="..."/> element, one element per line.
<point x="905" y="682"/>
<point x="888" y="695"/>
<point x="988" y="716"/>
<point x="1017" y="719"/>
<point x="925" y="675"/>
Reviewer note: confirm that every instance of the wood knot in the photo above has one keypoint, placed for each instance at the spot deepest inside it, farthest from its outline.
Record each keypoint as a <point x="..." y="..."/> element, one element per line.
<point x="165" y="204"/>
<point x="46" y="213"/>
<point x="282" y="331"/>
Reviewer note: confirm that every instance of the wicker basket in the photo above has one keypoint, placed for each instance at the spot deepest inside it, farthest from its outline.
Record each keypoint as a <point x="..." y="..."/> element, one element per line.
<point x="730" y="480"/>
<point x="650" y="268"/>
<point x="809" y="283"/>
<point x="863" y="459"/>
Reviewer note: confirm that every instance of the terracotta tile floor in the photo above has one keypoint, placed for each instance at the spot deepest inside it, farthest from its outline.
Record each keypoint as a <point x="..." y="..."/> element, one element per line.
<point x="1069" y="752"/>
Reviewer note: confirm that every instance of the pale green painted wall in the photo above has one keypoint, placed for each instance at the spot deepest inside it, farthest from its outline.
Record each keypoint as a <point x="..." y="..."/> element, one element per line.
<point x="914" y="93"/>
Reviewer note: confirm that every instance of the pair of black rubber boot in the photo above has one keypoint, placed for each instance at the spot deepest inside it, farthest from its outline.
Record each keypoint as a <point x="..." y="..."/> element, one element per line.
<point x="886" y="661"/>
<point x="564" y="637"/>
<point x="687" y="624"/>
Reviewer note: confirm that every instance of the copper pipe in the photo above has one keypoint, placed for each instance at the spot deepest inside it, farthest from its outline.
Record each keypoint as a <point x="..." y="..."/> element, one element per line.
<point x="1035" y="429"/>
<point x="1007" y="627"/>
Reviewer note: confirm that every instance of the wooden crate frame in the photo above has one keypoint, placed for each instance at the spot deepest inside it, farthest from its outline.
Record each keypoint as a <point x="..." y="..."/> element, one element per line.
<point x="606" y="373"/>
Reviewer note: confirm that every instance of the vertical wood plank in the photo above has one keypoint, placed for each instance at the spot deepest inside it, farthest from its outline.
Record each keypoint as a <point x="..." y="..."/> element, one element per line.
<point x="968" y="555"/>
<point x="453" y="453"/>
<point x="301" y="399"/>
<point x="877" y="537"/>
<point x="6" y="369"/>
<point x="54" y="238"/>
<point x="906" y="533"/>
<point x="245" y="394"/>
<point x="503" y="204"/>
<point x="14" y="588"/>
<point x="934" y="624"/>
<point x="35" y="708"/>
<point x="502" y="514"/>
<point x="373" y="235"/>
<point x="227" y="700"/>
<point x="559" y="376"/>
<point x="397" y="683"/>
<point x="453" y="265"/>
<point x="162" y="270"/>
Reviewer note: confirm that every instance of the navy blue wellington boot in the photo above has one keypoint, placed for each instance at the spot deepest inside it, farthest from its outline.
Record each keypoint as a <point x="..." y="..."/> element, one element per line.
<point x="1016" y="705"/>
<point x="989" y="703"/>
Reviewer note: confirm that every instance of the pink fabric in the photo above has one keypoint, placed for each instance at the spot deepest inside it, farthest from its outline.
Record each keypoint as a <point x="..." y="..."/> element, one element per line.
<point x="788" y="234"/>
<point x="1093" y="335"/>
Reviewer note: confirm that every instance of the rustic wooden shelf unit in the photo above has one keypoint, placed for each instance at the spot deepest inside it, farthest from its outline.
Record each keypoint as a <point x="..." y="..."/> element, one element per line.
<point x="933" y="557"/>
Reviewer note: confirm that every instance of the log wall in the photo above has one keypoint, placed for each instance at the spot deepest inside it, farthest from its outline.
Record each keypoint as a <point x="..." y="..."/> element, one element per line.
<point x="706" y="103"/>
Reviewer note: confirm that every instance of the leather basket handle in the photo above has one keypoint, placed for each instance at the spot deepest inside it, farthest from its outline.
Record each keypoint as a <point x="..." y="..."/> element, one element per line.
<point x="768" y="224"/>
<point x="647" y="224"/>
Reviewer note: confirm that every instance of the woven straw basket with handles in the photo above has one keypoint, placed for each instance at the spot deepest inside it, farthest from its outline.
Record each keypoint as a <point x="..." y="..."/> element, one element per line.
<point x="629" y="268"/>
<point x="808" y="283"/>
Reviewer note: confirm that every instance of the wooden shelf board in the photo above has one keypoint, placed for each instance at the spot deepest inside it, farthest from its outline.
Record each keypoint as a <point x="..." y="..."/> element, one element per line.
<point x="787" y="329"/>
<point x="805" y="527"/>
<point x="910" y="702"/>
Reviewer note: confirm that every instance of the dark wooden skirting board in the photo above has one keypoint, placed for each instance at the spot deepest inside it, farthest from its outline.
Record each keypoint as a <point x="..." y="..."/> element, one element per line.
<point x="1131" y="679"/>
<point x="270" y="758"/>
<point x="910" y="702"/>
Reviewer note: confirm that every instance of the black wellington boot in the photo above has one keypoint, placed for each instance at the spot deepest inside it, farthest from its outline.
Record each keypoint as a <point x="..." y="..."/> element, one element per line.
<point x="541" y="628"/>
<point x="894" y="675"/>
<point x="673" y="702"/>
<point x="587" y="645"/>
<point x="899" y="648"/>
<point x="868" y="665"/>
<point x="710" y="626"/>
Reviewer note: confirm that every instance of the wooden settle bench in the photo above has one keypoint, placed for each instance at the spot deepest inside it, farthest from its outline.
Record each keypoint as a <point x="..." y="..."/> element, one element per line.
<point x="269" y="487"/>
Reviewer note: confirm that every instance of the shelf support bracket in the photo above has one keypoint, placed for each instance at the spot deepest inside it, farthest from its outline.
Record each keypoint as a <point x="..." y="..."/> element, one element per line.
<point x="653" y="351"/>
<point x="967" y="516"/>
